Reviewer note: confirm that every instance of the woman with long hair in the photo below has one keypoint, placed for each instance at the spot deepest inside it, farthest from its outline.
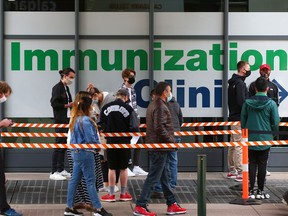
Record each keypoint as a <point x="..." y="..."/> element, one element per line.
<point x="83" y="131"/>
<point x="82" y="199"/>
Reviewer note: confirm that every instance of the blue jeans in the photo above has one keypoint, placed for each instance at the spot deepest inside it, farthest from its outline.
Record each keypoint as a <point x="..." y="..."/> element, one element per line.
<point x="83" y="165"/>
<point x="172" y="168"/>
<point x="157" y="171"/>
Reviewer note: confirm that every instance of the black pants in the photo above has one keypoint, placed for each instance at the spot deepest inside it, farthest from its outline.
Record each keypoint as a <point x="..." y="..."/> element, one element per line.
<point x="58" y="155"/>
<point x="3" y="199"/>
<point x="258" y="160"/>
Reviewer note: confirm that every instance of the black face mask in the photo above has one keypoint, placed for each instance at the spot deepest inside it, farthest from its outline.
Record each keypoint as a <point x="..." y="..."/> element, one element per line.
<point x="248" y="73"/>
<point x="131" y="80"/>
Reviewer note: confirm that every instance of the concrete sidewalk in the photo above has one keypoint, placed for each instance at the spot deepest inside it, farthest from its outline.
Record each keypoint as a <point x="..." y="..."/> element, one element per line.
<point x="125" y="208"/>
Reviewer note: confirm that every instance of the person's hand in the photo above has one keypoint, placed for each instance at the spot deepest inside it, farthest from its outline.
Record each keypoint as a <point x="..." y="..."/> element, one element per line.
<point x="6" y="123"/>
<point x="90" y="85"/>
<point x="69" y="105"/>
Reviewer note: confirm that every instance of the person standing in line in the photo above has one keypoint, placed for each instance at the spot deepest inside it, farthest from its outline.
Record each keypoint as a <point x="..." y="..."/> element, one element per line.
<point x="61" y="102"/>
<point x="118" y="116"/>
<point x="159" y="130"/>
<point x="237" y="93"/>
<point x="82" y="199"/>
<point x="272" y="91"/>
<point x="177" y="119"/>
<point x="259" y="113"/>
<point x="5" y="208"/>
<point x="128" y="76"/>
<point x="83" y="131"/>
<point x="100" y="99"/>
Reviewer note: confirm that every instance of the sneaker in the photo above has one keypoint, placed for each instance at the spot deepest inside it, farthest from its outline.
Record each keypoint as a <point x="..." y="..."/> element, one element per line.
<point x="143" y="211"/>
<point x="71" y="212"/>
<point x="104" y="189"/>
<point x="252" y="194"/>
<point x="101" y="212"/>
<point x="232" y="174"/>
<point x="125" y="197"/>
<point x="137" y="170"/>
<point x="175" y="209"/>
<point x="285" y="198"/>
<point x="130" y="173"/>
<point x="108" y="198"/>
<point x="268" y="173"/>
<point x="262" y="195"/>
<point x="56" y="176"/>
<point x="11" y="212"/>
<point x="65" y="174"/>
<point x="239" y="178"/>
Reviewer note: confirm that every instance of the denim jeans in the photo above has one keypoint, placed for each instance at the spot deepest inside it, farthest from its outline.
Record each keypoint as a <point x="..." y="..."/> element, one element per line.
<point x="157" y="171"/>
<point x="83" y="165"/>
<point x="172" y="168"/>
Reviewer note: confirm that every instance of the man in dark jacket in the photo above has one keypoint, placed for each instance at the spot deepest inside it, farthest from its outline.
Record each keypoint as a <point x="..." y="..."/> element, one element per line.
<point x="159" y="130"/>
<point x="259" y="113"/>
<point x="237" y="93"/>
<point x="272" y="91"/>
<point x="118" y="116"/>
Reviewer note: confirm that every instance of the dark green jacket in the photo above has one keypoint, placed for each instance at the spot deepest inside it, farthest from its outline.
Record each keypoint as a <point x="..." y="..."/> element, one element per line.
<point x="260" y="113"/>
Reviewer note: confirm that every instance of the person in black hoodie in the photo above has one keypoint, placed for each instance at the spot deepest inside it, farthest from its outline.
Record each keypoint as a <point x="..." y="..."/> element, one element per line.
<point x="237" y="93"/>
<point x="61" y="102"/>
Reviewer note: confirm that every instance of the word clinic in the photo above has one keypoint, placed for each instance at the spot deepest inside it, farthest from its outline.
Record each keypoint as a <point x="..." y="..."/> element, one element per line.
<point x="196" y="95"/>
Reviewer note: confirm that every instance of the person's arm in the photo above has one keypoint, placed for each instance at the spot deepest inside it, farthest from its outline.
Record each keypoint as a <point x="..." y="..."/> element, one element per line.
<point x="6" y="123"/>
<point x="240" y="93"/>
<point x="244" y="116"/>
<point x="89" y="131"/>
<point x="180" y="116"/>
<point x="274" y="118"/>
<point x="160" y="120"/>
<point x="56" y="101"/>
<point x="133" y="125"/>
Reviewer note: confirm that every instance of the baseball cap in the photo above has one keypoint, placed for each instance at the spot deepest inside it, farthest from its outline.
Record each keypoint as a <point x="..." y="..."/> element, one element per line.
<point x="263" y="66"/>
<point x="123" y="92"/>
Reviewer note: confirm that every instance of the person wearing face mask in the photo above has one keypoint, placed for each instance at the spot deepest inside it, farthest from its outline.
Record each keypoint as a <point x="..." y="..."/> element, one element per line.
<point x="61" y="102"/>
<point x="159" y="130"/>
<point x="5" y="208"/>
<point x="237" y="94"/>
<point x="118" y="116"/>
<point x="128" y="76"/>
<point x="273" y="91"/>
<point x="177" y="119"/>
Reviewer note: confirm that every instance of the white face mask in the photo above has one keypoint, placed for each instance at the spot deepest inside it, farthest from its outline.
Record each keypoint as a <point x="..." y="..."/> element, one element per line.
<point x="3" y="99"/>
<point x="68" y="81"/>
<point x="170" y="97"/>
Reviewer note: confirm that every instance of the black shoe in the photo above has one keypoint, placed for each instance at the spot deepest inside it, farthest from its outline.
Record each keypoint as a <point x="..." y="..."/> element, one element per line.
<point x="101" y="212"/>
<point x="71" y="212"/>
<point x="157" y="195"/>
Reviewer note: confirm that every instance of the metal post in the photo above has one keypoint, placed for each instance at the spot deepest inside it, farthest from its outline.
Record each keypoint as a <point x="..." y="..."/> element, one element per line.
<point x="201" y="181"/>
<point x="151" y="45"/>
<point x="76" y="45"/>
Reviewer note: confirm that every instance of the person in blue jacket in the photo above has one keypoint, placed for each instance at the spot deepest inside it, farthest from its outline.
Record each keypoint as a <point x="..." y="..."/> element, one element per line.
<point x="83" y="131"/>
<point x="260" y="114"/>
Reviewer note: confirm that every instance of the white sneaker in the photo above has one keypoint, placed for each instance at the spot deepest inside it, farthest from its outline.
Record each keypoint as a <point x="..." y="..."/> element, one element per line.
<point x="57" y="176"/>
<point x="268" y="173"/>
<point x="130" y="173"/>
<point x="137" y="170"/>
<point x="65" y="174"/>
<point x="104" y="189"/>
<point x="116" y="189"/>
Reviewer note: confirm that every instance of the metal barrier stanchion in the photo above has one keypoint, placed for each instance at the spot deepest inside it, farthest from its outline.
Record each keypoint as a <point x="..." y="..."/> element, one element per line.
<point x="245" y="200"/>
<point x="201" y="181"/>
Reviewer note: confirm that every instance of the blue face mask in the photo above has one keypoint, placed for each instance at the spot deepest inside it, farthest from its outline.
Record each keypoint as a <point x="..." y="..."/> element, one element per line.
<point x="170" y="97"/>
<point x="95" y="101"/>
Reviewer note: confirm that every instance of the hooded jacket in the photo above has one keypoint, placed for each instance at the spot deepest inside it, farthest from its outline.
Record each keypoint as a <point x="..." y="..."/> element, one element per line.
<point x="237" y="93"/>
<point x="260" y="113"/>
